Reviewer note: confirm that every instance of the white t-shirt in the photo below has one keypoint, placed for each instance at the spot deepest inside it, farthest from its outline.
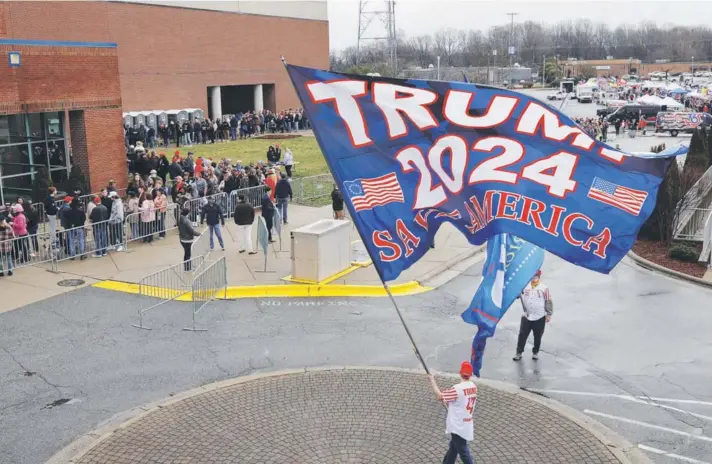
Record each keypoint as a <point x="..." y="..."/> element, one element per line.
<point x="461" y="400"/>
<point x="534" y="301"/>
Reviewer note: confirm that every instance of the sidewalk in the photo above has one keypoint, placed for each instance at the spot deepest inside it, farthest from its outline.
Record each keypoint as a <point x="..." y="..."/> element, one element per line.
<point x="122" y="270"/>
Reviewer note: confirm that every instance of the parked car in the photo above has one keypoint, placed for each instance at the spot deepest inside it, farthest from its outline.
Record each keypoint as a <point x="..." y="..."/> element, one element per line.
<point x="558" y="95"/>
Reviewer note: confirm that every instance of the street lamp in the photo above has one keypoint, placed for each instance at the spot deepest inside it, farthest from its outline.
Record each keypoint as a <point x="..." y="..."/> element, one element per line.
<point x="438" y="67"/>
<point x="693" y="66"/>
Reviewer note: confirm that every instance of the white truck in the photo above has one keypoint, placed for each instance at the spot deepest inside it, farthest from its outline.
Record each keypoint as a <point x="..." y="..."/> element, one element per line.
<point x="584" y="93"/>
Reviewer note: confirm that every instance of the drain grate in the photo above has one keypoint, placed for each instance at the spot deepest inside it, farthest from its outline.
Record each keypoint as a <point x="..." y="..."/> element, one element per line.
<point x="70" y="283"/>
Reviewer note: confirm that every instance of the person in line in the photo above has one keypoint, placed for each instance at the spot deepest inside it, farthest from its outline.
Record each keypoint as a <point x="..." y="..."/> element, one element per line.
<point x="186" y="234"/>
<point x="538" y="309"/>
<point x="33" y="221"/>
<point x="98" y="217"/>
<point x="337" y="202"/>
<point x="19" y="227"/>
<point x="148" y="218"/>
<point x="283" y="194"/>
<point x="244" y="217"/>
<point x="460" y="401"/>
<point x="116" y="220"/>
<point x="50" y="208"/>
<point x="161" y="205"/>
<point x="76" y="219"/>
<point x="213" y="215"/>
<point x="268" y="212"/>
<point x="6" y="240"/>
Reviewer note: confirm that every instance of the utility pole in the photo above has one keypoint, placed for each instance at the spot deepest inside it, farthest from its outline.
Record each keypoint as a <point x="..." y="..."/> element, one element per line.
<point x="510" y="48"/>
<point x="543" y="70"/>
<point x="384" y="11"/>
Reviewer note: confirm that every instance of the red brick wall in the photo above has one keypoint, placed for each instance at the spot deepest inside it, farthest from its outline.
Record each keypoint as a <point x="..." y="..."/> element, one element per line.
<point x="52" y="78"/>
<point x="105" y="144"/>
<point x="169" y="56"/>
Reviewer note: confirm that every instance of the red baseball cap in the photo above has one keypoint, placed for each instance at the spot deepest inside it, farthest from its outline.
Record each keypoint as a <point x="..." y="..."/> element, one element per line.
<point x="466" y="369"/>
<point x="538" y="273"/>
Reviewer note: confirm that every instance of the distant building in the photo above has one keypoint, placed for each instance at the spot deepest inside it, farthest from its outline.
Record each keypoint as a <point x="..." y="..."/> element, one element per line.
<point x="480" y="75"/>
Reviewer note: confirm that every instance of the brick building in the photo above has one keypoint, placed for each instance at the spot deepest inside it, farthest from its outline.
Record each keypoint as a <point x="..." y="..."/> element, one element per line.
<point x="618" y="68"/>
<point x="81" y="64"/>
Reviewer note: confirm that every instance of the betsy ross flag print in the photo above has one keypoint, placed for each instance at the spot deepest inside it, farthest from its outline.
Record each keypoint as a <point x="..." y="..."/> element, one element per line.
<point x="624" y="198"/>
<point x="366" y="194"/>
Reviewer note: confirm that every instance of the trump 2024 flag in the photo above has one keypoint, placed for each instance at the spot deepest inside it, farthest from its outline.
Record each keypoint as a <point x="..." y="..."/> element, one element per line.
<point x="486" y="159"/>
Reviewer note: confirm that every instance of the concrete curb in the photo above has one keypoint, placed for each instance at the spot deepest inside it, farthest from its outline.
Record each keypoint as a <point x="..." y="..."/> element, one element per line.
<point x="644" y="263"/>
<point x="621" y="448"/>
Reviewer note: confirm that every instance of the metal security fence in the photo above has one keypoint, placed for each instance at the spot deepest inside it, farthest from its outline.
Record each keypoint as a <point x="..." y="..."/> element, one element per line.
<point x="206" y="286"/>
<point x="167" y="284"/>
<point x="313" y="190"/>
<point x="28" y="250"/>
<point x="253" y="196"/>
<point x="693" y="229"/>
<point x="201" y="245"/>
<point x="148" y="224"/>
<point x="89" y="239"/>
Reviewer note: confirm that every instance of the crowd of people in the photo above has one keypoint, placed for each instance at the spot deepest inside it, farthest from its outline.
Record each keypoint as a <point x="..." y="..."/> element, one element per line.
<point x="218" y="130"/>
<point x="142" y="212"/>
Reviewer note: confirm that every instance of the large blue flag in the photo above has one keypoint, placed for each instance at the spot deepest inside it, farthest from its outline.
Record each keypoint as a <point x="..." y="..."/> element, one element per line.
<point x="410" y="154"/>
<point x="510" y="264"/>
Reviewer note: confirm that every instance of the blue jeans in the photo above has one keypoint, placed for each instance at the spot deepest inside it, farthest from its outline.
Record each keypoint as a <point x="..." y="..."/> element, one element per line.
<point x="76" y="240"/>
<point x="101" y="239"/>
<point x="282" y="207"/>
<point x="458" y="445"/>
<point x="233" y="133"/>
<point x="5" y="257"/>
<point x="216" y="230"/>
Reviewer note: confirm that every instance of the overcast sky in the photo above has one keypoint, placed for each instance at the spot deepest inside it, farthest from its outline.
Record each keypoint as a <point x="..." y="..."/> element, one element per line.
<point x="416" y="17"/>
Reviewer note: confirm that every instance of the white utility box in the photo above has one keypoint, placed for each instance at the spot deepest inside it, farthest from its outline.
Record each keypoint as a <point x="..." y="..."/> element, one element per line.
<point x="321" y="250"/>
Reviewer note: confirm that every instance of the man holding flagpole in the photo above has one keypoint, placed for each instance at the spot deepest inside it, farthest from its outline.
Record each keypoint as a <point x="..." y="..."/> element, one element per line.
<point x="538" y="308"/>
<point x="460" y="400"/>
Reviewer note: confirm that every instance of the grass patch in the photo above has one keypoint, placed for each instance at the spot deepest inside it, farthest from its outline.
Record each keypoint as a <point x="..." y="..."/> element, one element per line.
<point x="305" y="150"/>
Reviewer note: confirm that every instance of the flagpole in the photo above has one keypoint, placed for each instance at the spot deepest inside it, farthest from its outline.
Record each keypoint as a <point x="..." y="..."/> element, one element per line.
<point x="363" y="239"/>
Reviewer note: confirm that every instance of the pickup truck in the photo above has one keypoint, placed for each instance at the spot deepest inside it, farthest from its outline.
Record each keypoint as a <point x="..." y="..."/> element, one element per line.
<point x="558" y="95"/>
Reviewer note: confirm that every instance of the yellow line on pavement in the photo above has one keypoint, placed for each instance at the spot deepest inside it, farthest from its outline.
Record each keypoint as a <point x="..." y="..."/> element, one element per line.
<point x="288" y="291"/>
<point x="332" y="278"/>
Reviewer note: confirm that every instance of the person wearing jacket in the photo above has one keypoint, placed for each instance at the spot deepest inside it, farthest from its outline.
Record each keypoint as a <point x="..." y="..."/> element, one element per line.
<point x="116" y="220"/>
<point x="268" y="211"/>
<point x="76" y="218"/>
<point x="148" y="218"/>
<point x="186" y="234"/>
<point x="271" y="182"/>
<point x="213" y="215"/>
<point x="98" y="217"/>
<point x="244" y="218"/>
<point x="64" y="222"/>
<point x="6" y="240"/>
<point x="160" y="202"/>
<point x="288" y="162"/>
<point x="50" y="209"/>
<point x="19" y="228"/>
<point x="283" y="194"/>
<point x="33" y="221"/>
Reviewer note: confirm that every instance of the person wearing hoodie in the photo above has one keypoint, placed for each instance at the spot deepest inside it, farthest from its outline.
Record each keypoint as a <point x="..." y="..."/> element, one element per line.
<point x="271" y="182"/>
<point x="65" y="223"/>
<point x="116" y="222"/>
<point x="186" y="234"/>
<point x="33" y="221"/>
<point x="19" y="227"/>
<point x="76" y="218"/>
<point x="98" y="217"/>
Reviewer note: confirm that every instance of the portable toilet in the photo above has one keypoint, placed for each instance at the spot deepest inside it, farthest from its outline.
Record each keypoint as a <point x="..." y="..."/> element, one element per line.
<point x="140" y="119"/>
<point x="182" y="116"/>
<point x="128" y="120"/>
<point x="151" y="119"/>
<point x="162" y="118"/>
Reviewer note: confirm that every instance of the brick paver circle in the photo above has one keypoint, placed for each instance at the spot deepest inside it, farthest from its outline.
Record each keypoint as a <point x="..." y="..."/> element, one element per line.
<point x="343" y="416"/>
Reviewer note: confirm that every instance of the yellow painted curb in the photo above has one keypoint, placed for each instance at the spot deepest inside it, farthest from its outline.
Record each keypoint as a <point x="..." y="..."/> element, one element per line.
<point x="332" y="278"/>
<point x="322" y="291"/>
<point x="287" y="291"/>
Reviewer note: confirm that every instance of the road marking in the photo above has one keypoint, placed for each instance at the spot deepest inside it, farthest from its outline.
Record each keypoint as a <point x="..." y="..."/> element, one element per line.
<point x="671" y="455"/>
<point x="651" y="426"/>
<point x="634" y="399"/>
<point x="613" y="395"/>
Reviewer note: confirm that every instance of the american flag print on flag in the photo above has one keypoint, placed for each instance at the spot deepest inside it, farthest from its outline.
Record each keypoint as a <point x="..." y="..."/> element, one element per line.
<point x="366" y="194"/>
<point x="624" y="198"/>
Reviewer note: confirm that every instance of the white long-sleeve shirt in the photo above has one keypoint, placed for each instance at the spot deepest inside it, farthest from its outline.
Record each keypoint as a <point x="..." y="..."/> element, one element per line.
<point x="534" y="301"/>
